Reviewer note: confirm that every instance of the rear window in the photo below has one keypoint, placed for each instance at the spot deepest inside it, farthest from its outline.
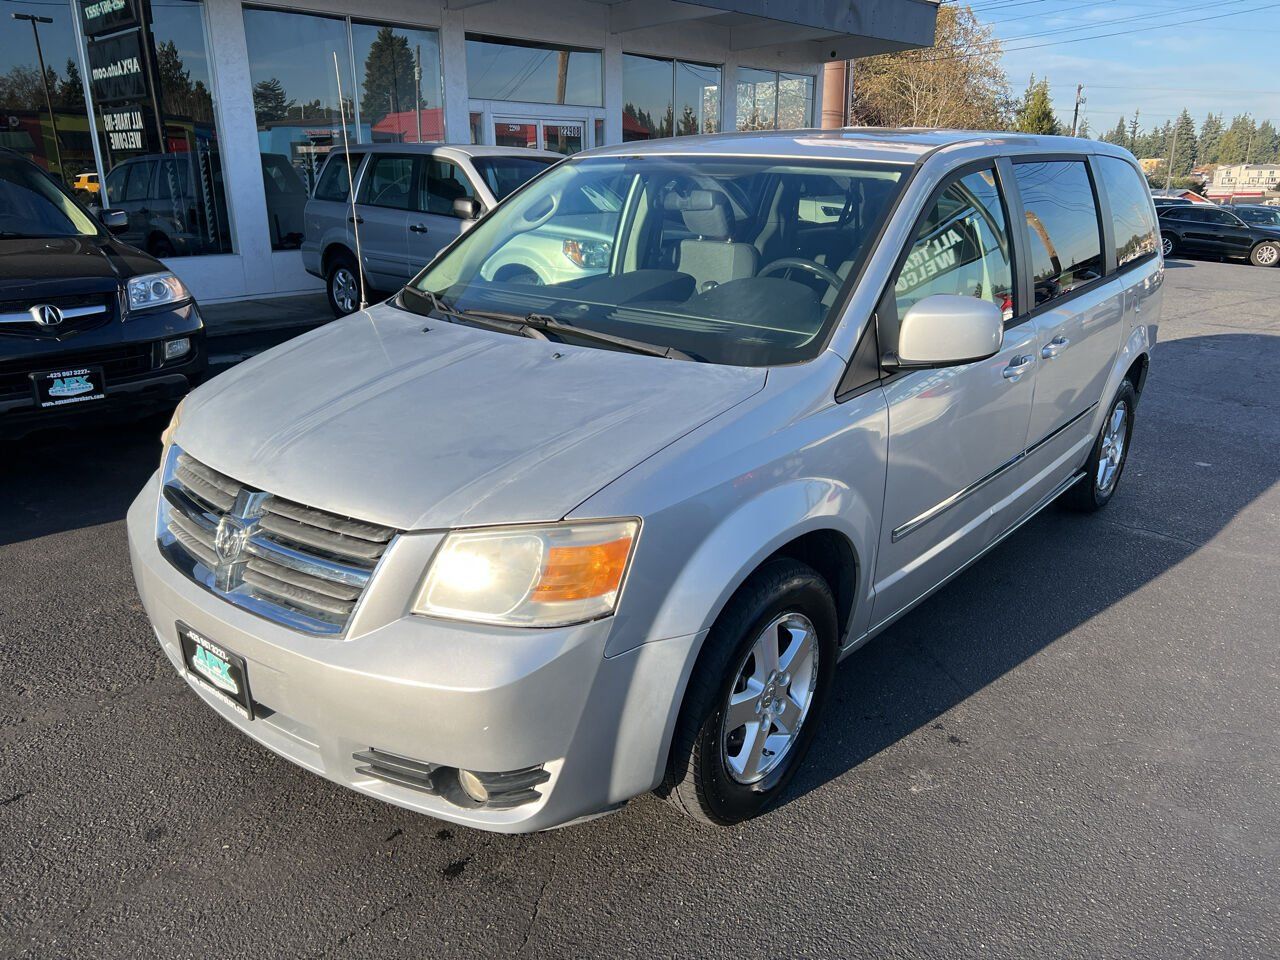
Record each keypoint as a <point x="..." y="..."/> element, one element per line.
<point x="1063" y="225"/>
<point x="1132" y="217"/>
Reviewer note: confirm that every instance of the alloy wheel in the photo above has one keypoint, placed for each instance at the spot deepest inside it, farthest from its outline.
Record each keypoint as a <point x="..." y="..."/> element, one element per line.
<point x="1114" y="440"/>
<point x="344" y="289"/>
<point x="1267" y="255"/>
<point x="770" y="698"/>
<point x="1166" y="246"/>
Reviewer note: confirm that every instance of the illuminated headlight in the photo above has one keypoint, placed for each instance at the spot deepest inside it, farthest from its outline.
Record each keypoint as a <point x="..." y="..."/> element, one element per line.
<point x="156" y="290"/>
<point x="534" y="576"/>
<point x="173" y="349"/>
<point x="588" y="253"/>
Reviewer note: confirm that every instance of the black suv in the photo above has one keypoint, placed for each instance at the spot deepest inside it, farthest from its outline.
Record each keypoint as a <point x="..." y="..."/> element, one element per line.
<point x="87" y="323"/>
<point x="1201" y="228"/>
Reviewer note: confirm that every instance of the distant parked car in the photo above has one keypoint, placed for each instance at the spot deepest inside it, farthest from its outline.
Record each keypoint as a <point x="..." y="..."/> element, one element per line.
<point x="88" y="325"/>
<point x="1171" y="202"/>
<point x="168" y="214"/>
<point x="88" y="182"/>
<point x="1217" y="230"/>
<point x="412" y="200"/>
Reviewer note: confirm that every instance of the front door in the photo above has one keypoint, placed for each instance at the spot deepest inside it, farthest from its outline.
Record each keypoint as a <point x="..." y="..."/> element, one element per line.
<point x="433" y="225"/>
<point x="957" y="434"/>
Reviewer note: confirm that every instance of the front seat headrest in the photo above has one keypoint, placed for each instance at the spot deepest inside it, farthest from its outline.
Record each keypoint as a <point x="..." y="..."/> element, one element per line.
<point x="705" y="213"/>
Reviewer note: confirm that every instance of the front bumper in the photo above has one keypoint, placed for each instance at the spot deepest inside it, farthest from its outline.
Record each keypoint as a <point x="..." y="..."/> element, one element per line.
<point x="457" y="695"/>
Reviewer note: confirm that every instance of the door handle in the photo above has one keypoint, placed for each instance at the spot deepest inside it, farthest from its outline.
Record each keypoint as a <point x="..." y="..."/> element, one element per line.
<point x="1017" y="367"/>
<point x="1054" y="347"/>
<point x="355" y="219"/>
<point x="418" y="227"/>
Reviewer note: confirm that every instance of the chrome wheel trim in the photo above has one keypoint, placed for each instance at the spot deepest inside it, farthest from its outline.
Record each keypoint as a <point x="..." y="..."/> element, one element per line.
<point x="1267" y="254"/>
<point x="1114" y="440"/>
<point x="770" y="698"/>
<point x="343" y="287"/>
<point x="1166" y="246"/>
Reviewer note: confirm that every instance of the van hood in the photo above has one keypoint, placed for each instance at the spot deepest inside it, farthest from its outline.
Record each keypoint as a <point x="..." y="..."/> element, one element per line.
<point x="418" y="423"/>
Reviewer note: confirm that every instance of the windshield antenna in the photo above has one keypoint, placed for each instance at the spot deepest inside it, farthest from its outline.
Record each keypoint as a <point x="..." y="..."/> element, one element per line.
<point x="351" y="188"/>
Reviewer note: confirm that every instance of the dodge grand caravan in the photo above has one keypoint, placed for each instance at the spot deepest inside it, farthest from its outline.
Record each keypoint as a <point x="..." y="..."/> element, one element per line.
<point x="511" y="554"/>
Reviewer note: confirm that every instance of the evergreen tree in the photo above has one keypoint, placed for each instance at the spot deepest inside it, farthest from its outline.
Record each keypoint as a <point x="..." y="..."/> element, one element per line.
<point x="1133" y="134"/>
<point x="1237" y="142"/>
<point x="1183" y="144"/>
<point x="270" y="102"/>
<point x="1035" y="112"/>
<point x="389" y="85"/>
<point x="1119" y="135"/>
<point x="1266" y="143"/>
<point x="70" y="91"/>
<point x="1210" y="138"/>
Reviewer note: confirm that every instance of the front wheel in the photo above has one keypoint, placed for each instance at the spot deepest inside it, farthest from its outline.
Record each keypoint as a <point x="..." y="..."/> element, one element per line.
<point x="1109" y="454"/>
<point x="1265" y="254"/>
<point x="342" y="284"/>
<point x="1168" y="244"/>
<point x="755" y="696"/>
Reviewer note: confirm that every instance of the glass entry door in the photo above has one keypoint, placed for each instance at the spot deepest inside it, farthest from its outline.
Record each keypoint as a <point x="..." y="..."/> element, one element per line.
<point x="560" y="136"/>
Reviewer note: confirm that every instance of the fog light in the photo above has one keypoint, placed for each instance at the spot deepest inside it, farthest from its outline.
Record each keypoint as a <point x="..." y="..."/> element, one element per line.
<point x="173" y="349"/>
<point x="472" y="786"/>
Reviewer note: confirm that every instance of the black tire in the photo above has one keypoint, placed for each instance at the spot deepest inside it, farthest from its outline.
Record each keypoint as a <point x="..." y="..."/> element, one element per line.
<point x="1090" y="493"/>
<point x="1265" y="254"/>
<point x="698" y="782"/>
<point x="342" y="284"/>
<point x="1168" y="244"/>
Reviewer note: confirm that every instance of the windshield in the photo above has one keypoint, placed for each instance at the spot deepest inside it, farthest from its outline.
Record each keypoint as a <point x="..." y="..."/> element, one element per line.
<point x="505" y="175"/>
<point x="1255" y="215"/>
<point x="31" y="205"/>
<point x="734" y="260"/>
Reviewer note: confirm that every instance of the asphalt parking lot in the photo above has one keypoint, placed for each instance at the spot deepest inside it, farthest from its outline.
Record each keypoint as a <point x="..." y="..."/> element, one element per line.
<point x="1072" y="751"/>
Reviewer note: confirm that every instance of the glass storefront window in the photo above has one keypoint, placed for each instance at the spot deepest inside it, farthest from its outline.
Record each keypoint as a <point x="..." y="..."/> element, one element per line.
<point x="795" y="101"/>
<point x="757" y="99"/>
<point x="646" y="92"/>
<point x="153" y="109"/>
<point x="697" y="98"/>
<point x="295" y="102"/>
<point x="502" y="69"/>
<point x="401" y="86"/>
<point x="774" y="101"/>
<point x="664" y="98"/>
<point x="59" y="142"/>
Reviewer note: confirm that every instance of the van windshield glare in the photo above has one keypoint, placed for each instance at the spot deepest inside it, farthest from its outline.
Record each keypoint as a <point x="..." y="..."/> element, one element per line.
<point x="734" y="260"/>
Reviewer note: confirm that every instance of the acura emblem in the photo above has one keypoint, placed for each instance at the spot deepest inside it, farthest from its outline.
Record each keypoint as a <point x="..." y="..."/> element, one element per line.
<point x="46" y="314"/>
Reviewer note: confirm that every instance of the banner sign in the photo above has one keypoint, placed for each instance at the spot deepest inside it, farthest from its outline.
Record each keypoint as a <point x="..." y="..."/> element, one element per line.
<point x="129" y="129"/>
<point x="116" y="68"/>
<point x="107" y="16"/>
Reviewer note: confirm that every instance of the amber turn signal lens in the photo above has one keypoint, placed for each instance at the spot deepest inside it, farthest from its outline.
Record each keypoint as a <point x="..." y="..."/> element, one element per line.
<point x="578" y="572"/>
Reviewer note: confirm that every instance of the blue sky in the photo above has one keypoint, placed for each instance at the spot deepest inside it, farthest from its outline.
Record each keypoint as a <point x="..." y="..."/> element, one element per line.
<point x="1180" y="54"/>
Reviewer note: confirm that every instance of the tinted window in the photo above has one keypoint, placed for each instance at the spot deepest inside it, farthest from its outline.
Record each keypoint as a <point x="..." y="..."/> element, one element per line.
<point x="1265" y="217"/>
<point x="505" y="174"/>
<point x="334" y="183"/>
<point x="961" y="247"/>
<point x="444" y="184"/>
<point x="388" y="182"/>
<point x="31" y="206"/>
<point x="1062" y="224"/>
<point x="115" y="184"/>
<point x="1220" y="217"/>
<point x="1134" y="225"/>
<point x="139" y="182"/>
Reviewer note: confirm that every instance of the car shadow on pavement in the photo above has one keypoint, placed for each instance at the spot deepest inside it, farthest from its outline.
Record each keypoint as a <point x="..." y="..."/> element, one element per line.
<point x="1064" y="568"/>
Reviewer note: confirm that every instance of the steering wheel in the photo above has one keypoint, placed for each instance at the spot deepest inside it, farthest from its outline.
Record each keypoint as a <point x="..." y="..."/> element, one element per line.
<point x="800" y="263"/>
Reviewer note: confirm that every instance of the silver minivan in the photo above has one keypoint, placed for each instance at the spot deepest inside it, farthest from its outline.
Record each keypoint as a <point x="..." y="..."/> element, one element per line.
<point x="412" y="200"/>
<point x="510" y="554"/>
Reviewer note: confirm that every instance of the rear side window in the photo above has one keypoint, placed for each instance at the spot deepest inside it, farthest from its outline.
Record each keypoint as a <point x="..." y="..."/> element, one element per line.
<point x="961" y="247"/>
<point x="1062" y="224"/>
<point x="443" y="184"/>
<point x="334" y="183"/>
<point x="388" y="182"/>
<point x="1131" y="214"/>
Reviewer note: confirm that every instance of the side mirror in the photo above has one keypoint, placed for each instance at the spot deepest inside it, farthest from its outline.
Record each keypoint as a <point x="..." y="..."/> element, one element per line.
<point x="466" y="208"/>
<point x="116" y="221"/>
<point x="946" y="330"/>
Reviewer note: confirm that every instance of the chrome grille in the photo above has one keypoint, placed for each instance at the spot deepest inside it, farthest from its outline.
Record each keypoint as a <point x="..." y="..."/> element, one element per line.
<point x="290" y="563"/>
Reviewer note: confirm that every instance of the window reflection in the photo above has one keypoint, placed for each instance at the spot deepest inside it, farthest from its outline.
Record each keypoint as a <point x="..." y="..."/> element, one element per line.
<point x="504" y="69"/>
<point x="663" y="98"/>
<point x="697" y="98"/>
<point x="768" y="100"/>
<point x="401" y="92"/>
<point x="1062" y="224"/>
<point x="1135" y="224"/>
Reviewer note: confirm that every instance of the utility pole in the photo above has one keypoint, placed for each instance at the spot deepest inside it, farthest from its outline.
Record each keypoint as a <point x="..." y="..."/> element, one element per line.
<point x="417" y="88"/>
<point x="1075" y="114"/>
<point x="1133" y="131"/>
<point x="1168" y="176"/>
<point x="44" y="80"/>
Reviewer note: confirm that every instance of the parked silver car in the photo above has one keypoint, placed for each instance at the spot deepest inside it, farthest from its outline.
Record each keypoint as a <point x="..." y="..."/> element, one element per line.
<point x="512" y="554"/>
<point x="412" y="200"/>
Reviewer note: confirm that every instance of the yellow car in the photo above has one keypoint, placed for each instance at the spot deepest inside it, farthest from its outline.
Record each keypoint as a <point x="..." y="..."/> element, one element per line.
<point x="87" y="182"/>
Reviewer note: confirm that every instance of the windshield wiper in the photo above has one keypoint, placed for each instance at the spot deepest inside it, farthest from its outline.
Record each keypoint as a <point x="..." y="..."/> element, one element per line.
<point x="486" y="321"/>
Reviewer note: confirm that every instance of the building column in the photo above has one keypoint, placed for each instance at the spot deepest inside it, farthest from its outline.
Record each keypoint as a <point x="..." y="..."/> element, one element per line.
<point x="729" y="95"/>
<point x="238" y="147"/>
<point x="453" y="64"/>
<point x="614" y="100"/>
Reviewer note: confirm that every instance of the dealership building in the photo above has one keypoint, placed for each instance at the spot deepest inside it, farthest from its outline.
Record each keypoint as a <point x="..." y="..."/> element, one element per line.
<point x="208" y="120"/>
